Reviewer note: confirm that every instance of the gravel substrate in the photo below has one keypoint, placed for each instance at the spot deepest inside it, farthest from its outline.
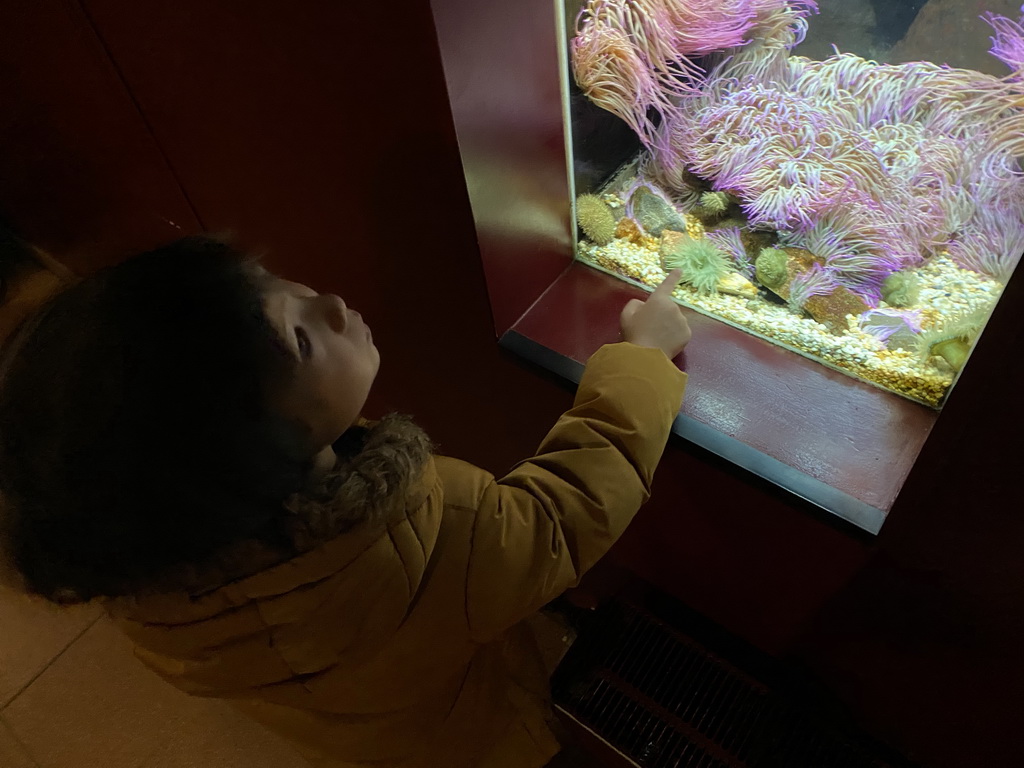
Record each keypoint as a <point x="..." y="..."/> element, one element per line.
<point x="946" y="291"/>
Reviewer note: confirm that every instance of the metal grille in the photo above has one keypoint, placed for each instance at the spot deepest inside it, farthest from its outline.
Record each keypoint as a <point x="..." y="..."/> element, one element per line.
<point x="665" y="701"/>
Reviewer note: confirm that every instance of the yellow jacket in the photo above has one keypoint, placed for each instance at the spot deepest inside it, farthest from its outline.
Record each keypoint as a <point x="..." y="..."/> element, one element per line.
<point x="402" y="647"/>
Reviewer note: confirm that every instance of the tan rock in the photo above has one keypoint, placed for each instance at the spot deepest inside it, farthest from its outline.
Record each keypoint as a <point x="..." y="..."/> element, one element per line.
<point x="831" y="309"/>
<point x="628" y="229"/>
<point x="850" y="24"/>
<point x="941" y="21"/>
<point x="736" y="284"/>
<point x="800" y="259"/>
<point x="755" y="241"/>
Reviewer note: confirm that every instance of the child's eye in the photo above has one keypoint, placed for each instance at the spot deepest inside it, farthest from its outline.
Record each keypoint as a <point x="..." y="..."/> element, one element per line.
<point x="304" y="344"/>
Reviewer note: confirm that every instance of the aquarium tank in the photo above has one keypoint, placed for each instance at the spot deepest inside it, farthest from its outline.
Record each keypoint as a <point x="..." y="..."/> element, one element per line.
<point x="840" y="178"/>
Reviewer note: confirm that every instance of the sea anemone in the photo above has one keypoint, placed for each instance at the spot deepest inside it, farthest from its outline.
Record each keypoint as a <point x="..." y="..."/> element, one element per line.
<point x="729" y="240"/>
<point x="991" y="240"/>
<point x="816" y="281"/>
<point x="862" y="273"/>
<point x="991" y="246"/>
<point x="895" y="328"/>
<point x="882" y="161"/>
<point x="771" y="267"/>
<point x="872" y="167"/>
<point x="1008" y="42"/>
<point x="614" y="76"/>
<point x="703" y="264"/>
<point x="779" y="26"/>
<point x="953" y="339"/>
<point x="632" y="57"/>
<point x="901" y="289"/>
<point x="595" y="218"/>
<point x="712" y="205"/>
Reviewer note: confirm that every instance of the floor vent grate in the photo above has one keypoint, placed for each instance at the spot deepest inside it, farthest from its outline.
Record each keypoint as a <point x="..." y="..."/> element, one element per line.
<point x="665" y="701"/>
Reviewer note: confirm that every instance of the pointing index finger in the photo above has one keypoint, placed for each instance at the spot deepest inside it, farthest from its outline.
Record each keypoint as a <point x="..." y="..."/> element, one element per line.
<point x="668" y="284"/>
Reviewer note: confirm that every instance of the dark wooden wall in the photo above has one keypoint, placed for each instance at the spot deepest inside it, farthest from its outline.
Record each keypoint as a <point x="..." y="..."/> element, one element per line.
<point x="319" y="132"/>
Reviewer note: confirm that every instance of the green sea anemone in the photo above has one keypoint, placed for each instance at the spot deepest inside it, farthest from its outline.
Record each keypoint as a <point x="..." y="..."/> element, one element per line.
<point x="712" y="205"/>
<point x="595" y="218"/>
<point x="952" y="341"/>
<point x="770" y="267"/>
<point x="703" y="264"/>
<point x="901" y="289"/>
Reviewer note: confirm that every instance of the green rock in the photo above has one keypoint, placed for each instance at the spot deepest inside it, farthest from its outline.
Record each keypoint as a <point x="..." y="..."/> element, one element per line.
<point x="655" y="214"/>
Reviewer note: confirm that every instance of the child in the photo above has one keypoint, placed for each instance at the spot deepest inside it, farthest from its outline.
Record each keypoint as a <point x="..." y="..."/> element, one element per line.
<point x="180" y="438"/>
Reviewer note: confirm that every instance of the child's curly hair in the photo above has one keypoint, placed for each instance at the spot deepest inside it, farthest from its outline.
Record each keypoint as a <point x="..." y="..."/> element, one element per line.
<point x="136" y="431"/>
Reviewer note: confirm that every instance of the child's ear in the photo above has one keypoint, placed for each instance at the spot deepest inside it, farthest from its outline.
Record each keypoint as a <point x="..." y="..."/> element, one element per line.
<point x="323" y="462"/>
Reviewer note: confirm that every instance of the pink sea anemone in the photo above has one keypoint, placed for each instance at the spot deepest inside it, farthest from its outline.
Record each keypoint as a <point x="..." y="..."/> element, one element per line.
<point x="614" y="76"/>
<point x="816" y="281"/>
<point x="872" y="167"/>
<point x="1008" y="42"/>
<point x="635" y="57"/>
<point x="729" y="240"/>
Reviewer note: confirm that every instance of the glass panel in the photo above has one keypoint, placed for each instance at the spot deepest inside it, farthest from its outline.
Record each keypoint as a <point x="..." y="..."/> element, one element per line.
<point x="822" y="178"/>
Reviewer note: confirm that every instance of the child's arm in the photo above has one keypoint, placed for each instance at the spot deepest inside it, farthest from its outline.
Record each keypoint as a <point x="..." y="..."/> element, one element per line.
<point x="548" y="521"/>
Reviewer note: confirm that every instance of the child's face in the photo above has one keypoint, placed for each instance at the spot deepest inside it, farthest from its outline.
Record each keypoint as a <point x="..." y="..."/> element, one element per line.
<point x="336" y="361"/>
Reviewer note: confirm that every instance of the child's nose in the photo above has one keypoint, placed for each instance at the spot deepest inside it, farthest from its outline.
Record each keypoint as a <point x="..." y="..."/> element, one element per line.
<point x="335" y="312"/>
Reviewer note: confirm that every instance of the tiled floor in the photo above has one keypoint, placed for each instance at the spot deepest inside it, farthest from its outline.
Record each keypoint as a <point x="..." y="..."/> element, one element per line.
<point x="72" y="695"/>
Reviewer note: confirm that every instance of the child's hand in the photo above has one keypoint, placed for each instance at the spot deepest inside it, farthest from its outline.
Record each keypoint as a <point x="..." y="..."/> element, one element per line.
<point x="657" y="322"/>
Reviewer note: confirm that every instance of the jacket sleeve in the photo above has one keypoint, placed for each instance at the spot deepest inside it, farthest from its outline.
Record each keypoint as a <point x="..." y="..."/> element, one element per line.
<point x="542" y="526"/>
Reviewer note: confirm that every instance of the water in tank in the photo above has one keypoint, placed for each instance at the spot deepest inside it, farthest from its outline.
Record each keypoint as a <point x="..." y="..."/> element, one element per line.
<point x="841" y="178"/>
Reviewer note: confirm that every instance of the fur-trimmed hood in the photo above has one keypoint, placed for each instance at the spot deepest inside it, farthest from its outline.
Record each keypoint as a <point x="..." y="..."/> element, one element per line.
<point x="378" y="466"/>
